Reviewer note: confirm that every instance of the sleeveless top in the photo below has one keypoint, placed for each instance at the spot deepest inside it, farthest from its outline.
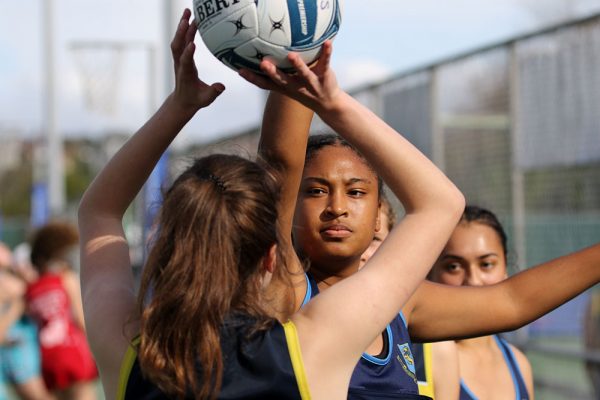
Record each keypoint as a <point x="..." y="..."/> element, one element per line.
<point x="266" y="366"/>
<point x="423" y="365"/>
<point x="518" y="381"/>
<point x="391" y="375"/>
<point x="65" y="355"/>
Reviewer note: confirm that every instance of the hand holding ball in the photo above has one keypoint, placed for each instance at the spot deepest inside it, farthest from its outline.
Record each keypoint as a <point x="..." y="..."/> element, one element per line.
<point x="241" y="33"/>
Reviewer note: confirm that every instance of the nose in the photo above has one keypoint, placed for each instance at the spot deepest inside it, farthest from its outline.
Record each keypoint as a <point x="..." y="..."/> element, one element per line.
<point x="336" y="205"/>
<point x="473" y="278"/>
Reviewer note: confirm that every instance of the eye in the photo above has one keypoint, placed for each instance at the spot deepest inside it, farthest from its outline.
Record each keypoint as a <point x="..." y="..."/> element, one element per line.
<point x="315" y="191"/>
<point x="356" y="192"/>
<point x="453" y="267"/>
<point x="488" y="265"/>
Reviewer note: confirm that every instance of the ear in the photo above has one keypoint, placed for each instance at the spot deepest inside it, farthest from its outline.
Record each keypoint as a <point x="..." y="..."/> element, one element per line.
<point x="268" y="266"/>
<point x="378" y="219"/>
<point x="270" y="259"/>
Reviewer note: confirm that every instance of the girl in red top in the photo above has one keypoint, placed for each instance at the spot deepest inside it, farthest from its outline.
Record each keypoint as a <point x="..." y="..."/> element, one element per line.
<point x="54" y="302"/>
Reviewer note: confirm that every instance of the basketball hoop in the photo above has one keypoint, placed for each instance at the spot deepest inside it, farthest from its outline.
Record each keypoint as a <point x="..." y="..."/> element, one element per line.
<point x="99" y="66"/>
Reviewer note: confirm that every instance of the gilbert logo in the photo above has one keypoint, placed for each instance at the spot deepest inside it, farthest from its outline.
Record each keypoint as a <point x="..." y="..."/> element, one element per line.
<point x="303" y="20"/>
<point x="206" y="9"/>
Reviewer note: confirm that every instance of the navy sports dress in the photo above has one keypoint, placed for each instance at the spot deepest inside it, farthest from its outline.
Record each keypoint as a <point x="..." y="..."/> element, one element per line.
<point x="390" y="375"/>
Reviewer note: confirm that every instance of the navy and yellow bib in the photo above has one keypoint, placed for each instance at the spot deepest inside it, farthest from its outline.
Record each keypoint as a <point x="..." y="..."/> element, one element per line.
<point x="391" y="375"/>
<point x="268" y="366"/>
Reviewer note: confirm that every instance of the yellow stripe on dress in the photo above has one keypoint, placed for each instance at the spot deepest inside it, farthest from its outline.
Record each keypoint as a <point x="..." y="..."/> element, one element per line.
<point x="427" y="388"/>
<point x="126" y="365"/>
<point x="291" y="337"/>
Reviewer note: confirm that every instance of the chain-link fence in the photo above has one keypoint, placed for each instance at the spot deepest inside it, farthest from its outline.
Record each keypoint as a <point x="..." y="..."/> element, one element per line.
<point x="517" y="127"/>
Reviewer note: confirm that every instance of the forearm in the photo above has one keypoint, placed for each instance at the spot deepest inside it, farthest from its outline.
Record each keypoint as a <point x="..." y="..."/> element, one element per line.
<point x="284" y="132"/>
<point x="511" y="304"/>
<point x="538" y="290"/>
<point x="121" y="179"/>
<point x="284" y="135"/>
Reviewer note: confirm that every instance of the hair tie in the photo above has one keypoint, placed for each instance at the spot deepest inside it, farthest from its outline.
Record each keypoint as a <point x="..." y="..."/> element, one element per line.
<point x="214" y="179"/>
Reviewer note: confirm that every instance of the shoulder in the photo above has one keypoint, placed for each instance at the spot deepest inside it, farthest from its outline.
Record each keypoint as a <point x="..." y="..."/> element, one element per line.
<point x="521" y="359"/>
<point x="447" y="348"/>
<point x="524" y="367"/>
<point x="444" y="356"/>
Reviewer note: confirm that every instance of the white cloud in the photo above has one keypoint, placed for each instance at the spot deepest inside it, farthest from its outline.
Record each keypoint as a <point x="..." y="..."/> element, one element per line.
<point x="358" y="72"/>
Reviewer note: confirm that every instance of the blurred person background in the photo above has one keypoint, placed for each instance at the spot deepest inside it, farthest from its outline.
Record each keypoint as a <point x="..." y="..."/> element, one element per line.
<point x="19" y="349"/>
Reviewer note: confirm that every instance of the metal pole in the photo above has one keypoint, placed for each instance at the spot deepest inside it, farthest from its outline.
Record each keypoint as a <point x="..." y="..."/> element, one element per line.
<point x="54" y="145"/>
<point x="168" y="31"/>
<point x="517" y="178"/>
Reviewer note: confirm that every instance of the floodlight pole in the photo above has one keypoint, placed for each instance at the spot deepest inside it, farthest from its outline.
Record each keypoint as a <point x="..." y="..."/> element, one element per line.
<point x="158" y="177"/>
<point x="50" y="169"/>
<point x="168" y="31"/>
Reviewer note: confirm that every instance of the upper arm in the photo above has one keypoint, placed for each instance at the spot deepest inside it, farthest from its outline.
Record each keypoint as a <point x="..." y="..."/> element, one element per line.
<point x="107" y="289"/>
<point x="446" y="375"/>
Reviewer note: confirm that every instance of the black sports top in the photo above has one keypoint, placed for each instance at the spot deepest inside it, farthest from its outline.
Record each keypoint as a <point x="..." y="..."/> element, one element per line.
<point x="267" y="366"/>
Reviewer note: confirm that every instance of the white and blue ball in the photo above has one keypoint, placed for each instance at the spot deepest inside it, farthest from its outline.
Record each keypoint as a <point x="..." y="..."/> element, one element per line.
<point x="241" y="33"/>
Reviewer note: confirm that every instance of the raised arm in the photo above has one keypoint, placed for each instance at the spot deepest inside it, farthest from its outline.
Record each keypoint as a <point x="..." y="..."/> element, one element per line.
<point x="283" y="138"/>
<point x="335" y="327"/>
<point x="516" y="301"/>
<point x="284" y="134"/>
<point x="106" y="277"/>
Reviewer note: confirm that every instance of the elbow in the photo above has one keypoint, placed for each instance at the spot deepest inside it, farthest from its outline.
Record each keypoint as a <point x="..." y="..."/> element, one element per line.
<point x="459" y="202"/>
<point x="456" y="203"/>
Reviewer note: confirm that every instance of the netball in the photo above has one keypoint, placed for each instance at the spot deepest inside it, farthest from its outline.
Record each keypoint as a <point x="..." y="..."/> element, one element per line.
<point x="241" y="33"/>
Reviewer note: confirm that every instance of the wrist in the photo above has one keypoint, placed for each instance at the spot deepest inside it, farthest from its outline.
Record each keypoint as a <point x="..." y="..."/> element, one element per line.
<point x="182" y="108"/>
<point x="332" y="110"/>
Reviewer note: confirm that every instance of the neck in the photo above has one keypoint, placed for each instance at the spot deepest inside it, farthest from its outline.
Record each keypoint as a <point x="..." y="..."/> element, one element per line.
<point x="333" y="273"/>
<point x="478" y="342"/>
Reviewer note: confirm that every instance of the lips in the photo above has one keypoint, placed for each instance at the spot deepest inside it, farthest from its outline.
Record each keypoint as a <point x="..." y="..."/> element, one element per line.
<point x="336" y="231"/>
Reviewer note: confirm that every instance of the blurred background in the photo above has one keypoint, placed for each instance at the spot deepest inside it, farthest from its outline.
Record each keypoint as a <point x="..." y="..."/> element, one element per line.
<point x="504" y="95"/>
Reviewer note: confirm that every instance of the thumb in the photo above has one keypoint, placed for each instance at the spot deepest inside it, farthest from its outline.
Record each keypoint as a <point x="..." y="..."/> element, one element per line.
<point x="218" y="87"/>
<point x="215" y="91"/>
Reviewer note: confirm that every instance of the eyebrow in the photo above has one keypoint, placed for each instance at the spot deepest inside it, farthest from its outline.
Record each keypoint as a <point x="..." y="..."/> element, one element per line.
<point x="324" y="181"/>
<point x="453" y="256"/>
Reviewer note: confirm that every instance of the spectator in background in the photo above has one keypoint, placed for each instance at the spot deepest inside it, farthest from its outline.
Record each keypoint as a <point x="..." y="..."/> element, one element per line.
<point x="54" y="302"/>
<point x="21" y="264"/>
<point x="19" y="350"/>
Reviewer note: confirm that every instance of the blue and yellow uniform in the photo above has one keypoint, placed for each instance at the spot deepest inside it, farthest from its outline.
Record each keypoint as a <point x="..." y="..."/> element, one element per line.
<point x="515" y="372"/>
<point x="389" y="375"/>
<point x="423" y="365"/>
<point x="422" y="353"/>
<point x="266" y="366"/>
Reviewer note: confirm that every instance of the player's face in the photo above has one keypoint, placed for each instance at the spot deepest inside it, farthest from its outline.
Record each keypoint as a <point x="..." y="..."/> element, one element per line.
<point x="337" y="210"/>
<point x="380" y="235"/>
<point x="473" y="256"/>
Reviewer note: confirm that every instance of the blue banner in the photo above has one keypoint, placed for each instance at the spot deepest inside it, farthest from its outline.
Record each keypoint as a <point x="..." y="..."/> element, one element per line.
<point x="153" y="195"/>
<point x="40" y="207"/>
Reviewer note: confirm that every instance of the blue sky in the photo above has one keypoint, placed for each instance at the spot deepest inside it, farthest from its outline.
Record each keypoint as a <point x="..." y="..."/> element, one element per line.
<point x="377" y="38"/>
